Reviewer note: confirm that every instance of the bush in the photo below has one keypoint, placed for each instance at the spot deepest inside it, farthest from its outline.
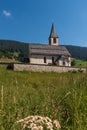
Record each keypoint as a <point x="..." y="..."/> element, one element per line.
<point x="73" y="63"/>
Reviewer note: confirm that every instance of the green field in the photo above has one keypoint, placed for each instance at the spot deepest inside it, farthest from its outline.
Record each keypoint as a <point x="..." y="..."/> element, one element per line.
<point x="59" y="96"/>
<point x="79" y="63"/>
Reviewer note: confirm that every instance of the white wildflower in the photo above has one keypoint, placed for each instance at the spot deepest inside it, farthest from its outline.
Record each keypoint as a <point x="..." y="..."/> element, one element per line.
<point x="57" y="124"/>
<point x="40" y="128"/>
<point x="45" y="120"/>
<point x="48" y="119"/>
<point x="22" y="120"/>
<point x="34" y="128"/>
<point x="49" y="125"/>
<point x="38" y="123"/>
<point x="32" y="125"/>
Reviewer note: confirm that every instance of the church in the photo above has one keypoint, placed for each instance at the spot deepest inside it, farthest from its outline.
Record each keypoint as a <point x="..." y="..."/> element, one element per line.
<point x="51" y="54"/>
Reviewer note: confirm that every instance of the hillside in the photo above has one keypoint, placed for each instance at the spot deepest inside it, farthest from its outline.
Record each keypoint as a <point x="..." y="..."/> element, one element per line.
<point x="77" y="52"/>
<point x="13" y="49"/>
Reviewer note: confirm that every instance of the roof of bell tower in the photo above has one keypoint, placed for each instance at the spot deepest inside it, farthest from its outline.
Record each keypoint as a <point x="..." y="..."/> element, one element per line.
<point x="53" y="34"/>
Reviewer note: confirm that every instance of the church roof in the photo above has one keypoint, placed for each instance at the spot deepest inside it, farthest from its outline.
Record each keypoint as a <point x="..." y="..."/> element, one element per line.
<point x="53" y="34"/>
<point x="41" y="49"/>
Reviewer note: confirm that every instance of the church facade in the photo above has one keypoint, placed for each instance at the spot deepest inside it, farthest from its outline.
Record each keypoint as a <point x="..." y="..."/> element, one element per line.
<point x="51" y="54"/>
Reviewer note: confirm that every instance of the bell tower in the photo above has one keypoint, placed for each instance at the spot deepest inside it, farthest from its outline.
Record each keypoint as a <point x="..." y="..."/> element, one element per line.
<point x="53" y="38"/>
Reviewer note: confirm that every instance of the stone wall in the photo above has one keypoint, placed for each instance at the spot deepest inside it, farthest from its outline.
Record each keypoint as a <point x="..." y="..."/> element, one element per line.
<point x="43" y="68"/>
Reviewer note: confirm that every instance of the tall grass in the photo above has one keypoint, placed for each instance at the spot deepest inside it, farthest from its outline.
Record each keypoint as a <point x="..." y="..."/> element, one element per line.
<point x="59" y="96"/>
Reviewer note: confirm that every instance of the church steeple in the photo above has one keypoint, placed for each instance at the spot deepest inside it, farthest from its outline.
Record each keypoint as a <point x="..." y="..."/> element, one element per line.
<point x="53" y="38"/>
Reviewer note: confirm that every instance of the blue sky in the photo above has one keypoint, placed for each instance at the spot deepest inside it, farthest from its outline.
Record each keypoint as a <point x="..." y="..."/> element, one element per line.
<point x="30" y="20"/>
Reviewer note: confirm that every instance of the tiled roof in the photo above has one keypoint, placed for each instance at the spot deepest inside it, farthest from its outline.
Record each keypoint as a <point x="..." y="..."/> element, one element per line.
<point x="41" y="49"/>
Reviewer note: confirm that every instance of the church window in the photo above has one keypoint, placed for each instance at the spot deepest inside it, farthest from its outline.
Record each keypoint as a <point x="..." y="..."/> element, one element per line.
<point x="52" y="60"/>
<point x="64" y="63"/>
<point x="45" y="60"/>
<point x="54" y="40"/>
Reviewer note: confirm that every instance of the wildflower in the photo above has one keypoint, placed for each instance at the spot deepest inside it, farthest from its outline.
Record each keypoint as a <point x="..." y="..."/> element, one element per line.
<point x="40" y="128"/>
<point x="34" y="128"/>
<point x="32" y="125"/>
<point x="38" y="123"/>
<point x="49" y="125"/>
<point x="57" y="124"/>
<point x="48" y="119"/>
<point x="20" y="121"/>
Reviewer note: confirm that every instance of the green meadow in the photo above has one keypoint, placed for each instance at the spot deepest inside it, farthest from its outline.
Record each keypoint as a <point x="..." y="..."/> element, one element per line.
<point x="79" y="63"/>
<point x="61" y="96"/>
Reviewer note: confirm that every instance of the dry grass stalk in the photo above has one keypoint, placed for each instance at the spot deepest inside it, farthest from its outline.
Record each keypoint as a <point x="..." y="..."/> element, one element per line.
<point x="67" y="94"/>
<point x="2" y="96"/>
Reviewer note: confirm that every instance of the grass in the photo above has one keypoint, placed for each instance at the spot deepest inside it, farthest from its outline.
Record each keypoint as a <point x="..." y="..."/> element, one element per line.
<point x="59" y="96"/>
<point x="80" y="63"/>
<point x="7" y="60"/>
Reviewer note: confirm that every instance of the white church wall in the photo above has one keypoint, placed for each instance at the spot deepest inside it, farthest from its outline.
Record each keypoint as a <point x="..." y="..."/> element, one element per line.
<point x="34" y="59"/>
<point x="39" y="59"/>
<point x="64" y="63"/>
<point x="60" y="62"/>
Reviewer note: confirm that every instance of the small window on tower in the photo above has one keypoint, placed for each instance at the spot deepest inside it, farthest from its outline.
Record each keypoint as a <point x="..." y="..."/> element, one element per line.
<point x="45" y="60"/>
<point x="54" y="40"/>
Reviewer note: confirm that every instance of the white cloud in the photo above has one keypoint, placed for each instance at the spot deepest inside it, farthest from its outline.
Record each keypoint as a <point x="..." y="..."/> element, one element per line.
<point x="6" y="13"/>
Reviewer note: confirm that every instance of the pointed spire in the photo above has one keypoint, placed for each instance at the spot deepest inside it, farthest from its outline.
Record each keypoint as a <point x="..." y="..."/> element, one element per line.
<point x="53" y="33"/>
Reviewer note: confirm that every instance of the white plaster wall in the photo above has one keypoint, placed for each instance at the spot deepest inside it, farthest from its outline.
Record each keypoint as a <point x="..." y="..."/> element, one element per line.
<point x="69" y="63"/>
<point x="36" y="59"/>
<point x="52" y="43"/>
<point x="60" y="63"/>
<point x="66" y="63"/>
<point x="39" y="59"/>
